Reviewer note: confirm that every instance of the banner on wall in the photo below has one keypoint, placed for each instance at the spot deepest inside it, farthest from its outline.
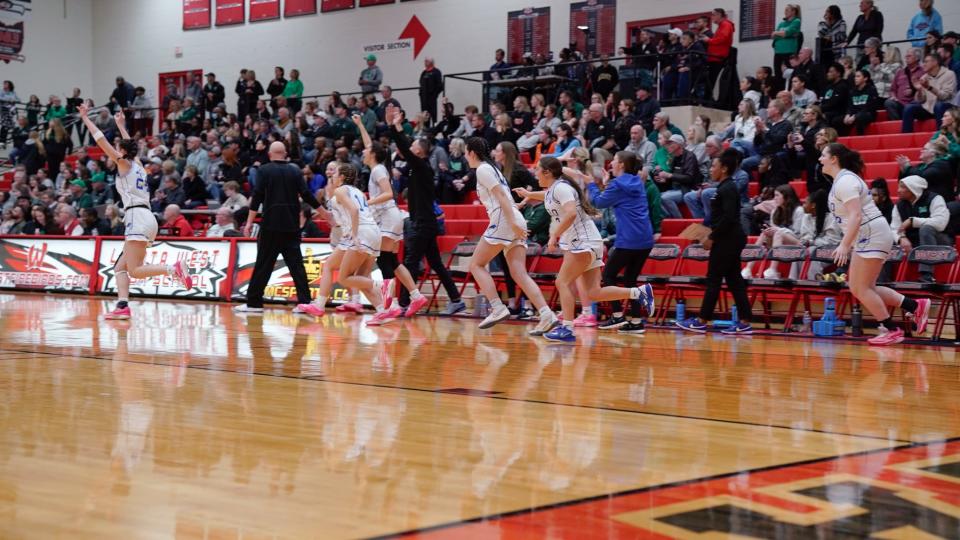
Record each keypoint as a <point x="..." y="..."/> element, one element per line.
<point x="52" y="265"/>
<point x="758" y="19"/>
<point x="208" y="262"/>
<point x="295" y="8"/>
<point x="600" y="18"/>
<point x="335" y="5"/>
<point x="196" y="14"/>
<point x="16" y="8"/>
<point x="264" y="10"/>
<point x="230" y="12"/>
<point x="368" y="3"/>
<point x="528" y="31"/>
<point x="280" y="286"/>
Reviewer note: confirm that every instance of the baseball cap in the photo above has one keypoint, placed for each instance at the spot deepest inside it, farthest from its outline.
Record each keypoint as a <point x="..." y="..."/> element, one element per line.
<point x="79" y="183"/>
<point x="675" y="31"/>
<point x="370" y="58"/>
<point x="677" y="139"/>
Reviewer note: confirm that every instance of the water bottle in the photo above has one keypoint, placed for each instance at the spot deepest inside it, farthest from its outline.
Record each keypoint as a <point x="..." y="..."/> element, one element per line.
<point x="734" y="318"/>
<point x="807" y="323"/>
<point x="681" y="309"/>
<point x="596" y="309"/>
<point x="856" y="321"/>
<point x="480" y="306"/>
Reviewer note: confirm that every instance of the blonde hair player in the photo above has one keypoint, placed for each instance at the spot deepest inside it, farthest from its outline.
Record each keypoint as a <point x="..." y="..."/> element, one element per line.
<point x="357" y="251"/>
<point x="575" y="233"/>
<point x="140" y="223"/>
<point x="390" y="220"/>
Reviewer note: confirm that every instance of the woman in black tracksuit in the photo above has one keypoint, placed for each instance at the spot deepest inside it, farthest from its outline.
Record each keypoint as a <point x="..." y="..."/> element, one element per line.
<point x="725" y="244"/>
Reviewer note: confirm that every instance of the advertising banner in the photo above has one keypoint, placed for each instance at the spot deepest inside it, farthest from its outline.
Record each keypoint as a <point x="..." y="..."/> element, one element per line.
<point x="327" y="6"/>
<point x="196" y="14"/>
<point x="281" y="287"/>
<point x="294" y="8"/>
<point x="528" y="31"/>
<point x="600" y="18"/>
<point x="208" y="263"/>
<point x="51" y="265"/>
<point x="264" y="10"/>
<point x="230" y="12"/>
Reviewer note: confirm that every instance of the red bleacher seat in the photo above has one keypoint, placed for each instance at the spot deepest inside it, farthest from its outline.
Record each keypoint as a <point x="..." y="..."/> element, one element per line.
<point x="874" y="156"/>
<point x="887" y="142"/>
<point x="466" y="227"/>
<point x="673" y="227"/>
<point x="800" y="187"/>
<point x="887" y="169"/>
<point x="464" y="211"/>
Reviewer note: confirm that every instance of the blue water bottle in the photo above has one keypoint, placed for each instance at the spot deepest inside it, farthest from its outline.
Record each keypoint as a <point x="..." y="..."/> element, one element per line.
<point x="734" y="319"/>
<point x="681" y="310"/>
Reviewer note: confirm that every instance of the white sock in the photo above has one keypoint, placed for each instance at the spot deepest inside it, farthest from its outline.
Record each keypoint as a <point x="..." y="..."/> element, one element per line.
<point x="496" y="304"/>
<point x="379" y="308"/>
<point x="568" y="324"/>
<point x="587" y="310"/>
<point x="321" y="301"/>
<point x="545" y="311"/>
<point x="618" y="314"/>
<point x="414" y="294"/>
<point x="635" y="293"/>
<point x="355" y="298"/>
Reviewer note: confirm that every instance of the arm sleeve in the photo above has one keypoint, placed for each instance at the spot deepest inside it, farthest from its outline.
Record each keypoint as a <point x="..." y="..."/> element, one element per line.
<point x="895" y="223"/>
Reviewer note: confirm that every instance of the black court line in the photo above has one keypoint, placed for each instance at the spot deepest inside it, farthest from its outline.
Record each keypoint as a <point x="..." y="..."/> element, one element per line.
<point x="667" y="485"/>
<point x="322" y="378"/>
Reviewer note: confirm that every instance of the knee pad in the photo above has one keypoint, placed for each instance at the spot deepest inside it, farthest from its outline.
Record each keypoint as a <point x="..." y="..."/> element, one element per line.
<point x="387" y="262"/>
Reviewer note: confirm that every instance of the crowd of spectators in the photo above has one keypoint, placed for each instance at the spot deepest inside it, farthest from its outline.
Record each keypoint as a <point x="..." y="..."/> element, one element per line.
<point x="204" y="156"/>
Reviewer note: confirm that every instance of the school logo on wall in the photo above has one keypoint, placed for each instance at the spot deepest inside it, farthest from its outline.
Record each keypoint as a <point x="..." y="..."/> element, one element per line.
<point x="11" y="34"/>
<point x="414" y="36"/>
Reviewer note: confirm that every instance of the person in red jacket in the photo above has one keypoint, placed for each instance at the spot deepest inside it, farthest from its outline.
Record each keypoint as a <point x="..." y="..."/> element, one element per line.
<point x="174" y="219"/>
<point x="718" y="46"/>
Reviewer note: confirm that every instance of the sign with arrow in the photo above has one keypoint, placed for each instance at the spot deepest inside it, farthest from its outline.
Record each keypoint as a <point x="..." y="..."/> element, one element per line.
<point x="414" y="36"/>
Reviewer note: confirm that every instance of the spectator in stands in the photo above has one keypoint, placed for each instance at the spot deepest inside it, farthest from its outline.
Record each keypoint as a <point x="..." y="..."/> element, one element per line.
<point x="79" y="195"/>
<point x="604" y="77"/>
<point x="804" y="148"/>
<point x="883" y="73"/>
<point x="934" y="167"/>
<point x="276" y="87"/>
<point x="678" y="81"/>
<point x="685" y="175"/>
<point x="662" y="121"/>
<point x="213" y="94"/>
<point x="868" y="25"/>
<point x="819" y="227"/>
<point x="57" y="145"/>
<point x="193" y="90"/>
<point x="431" y="86"/>
<point x="371" y="77"/>
<point x="793" y="112"/>
<point x="19" y="136"/>
<point x="646" y="106"/>
<point x="142" y="108"/>
<point x="66" y="218"/>
<point x="14" y="221"/>
<point x="548" y="120"/>
<point x="194" y="188"/>
<point x="175" y="222"/>
<point x="920" y="218"/>
<point x="566" y="141"/>
<point x="223" y="222"/>
<point x="308" y="229"/>
<point x="784" y="228"/>
<point x="743" y="130"/>
<point x="861" y="109"/>
<point x="122" y="96"/>
<point x="249" y="89"/>
<point x="99" y="192"/>
<point x="945" y="51"/>
<point x="832" y="36"/>
<point x="640" y="145"/>
<point x="750" y="88"/>
<point x="41" y="222"/>
<point x="92" y="224"/>
<point x="696" y="144"/>
<point x="771" y="135"/>
<point x="811" y="71"/>
<point x="880" y="193"/>
<point x="801" y="95"/>
<point x="949" y="133"/>
<point x="718" y="44"/>
<point x="925" y="20"/>
<point x="198" y="156"/>
<point x="786" y="38"/>
<point x="8" y="111"/>
<point x="904" y="84"/>
<point x="934" y="91"/>
<point x="115" y="220"/>
<point x="170" y="193"/>
<point x="870" y="49"/>
<point x="698" y="201"/>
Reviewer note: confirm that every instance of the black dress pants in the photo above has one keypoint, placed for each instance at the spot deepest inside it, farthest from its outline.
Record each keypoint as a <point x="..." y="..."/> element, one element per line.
<point x="271" y="245"/>
<point x="724" y="265"/>
<point x="422" y="242"/>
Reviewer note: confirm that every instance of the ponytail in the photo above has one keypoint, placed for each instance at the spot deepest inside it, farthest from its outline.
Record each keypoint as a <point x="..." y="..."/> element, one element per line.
<point x="850" y="160"/>
<point x="553" y="166"/>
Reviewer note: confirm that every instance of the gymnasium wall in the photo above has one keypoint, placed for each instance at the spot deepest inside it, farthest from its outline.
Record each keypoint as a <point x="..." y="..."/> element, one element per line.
<point x="137" y="39"/>
<point x="57" y="46"/>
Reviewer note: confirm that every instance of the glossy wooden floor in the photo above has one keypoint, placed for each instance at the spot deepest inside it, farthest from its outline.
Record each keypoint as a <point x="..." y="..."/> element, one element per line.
<point x="190" y="422"/>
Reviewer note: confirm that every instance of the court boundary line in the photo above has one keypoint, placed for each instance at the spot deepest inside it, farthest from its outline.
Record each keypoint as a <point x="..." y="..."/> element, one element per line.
<point x="646" y="489"/>
<point x="321" y="378"/>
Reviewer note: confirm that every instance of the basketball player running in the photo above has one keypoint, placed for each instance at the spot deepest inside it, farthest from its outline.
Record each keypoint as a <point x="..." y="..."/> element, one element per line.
<point x="867" y="235"/>
<point x="390" y="220"/>
<point x="575" y="233"/>
<point x="507" y="230"/>
<point x="140" y="223"/>
<point x="357" y="251"/>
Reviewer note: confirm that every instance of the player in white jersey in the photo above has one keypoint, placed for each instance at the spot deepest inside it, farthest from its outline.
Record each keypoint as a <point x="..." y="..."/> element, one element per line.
<point x="574" y="232"/>
<point x="141" y="225"/>
<point x="507" y="230"/>
<point x="866" y="234"/>
<point x="390" y="220"/>
<point x="357" y="251"/>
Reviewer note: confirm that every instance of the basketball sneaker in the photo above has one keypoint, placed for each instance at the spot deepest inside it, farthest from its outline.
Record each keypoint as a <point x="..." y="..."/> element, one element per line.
<point x="561" y="334"/>
<point x="386" y="316"/>
<point x="386" y="291"/>
<point x="350" y="307"/>
<point x="118" y="314"/>
<point x="309" y="309"/>
<point x="635" y="328"/>
<point x="585" y="321"/>
<point x="416" y="304"/>
<point x="495" y="317"/>
<point x="921" y="314"/>
<point x="545" y="325"/>
<point x="613" y="323"/>
<point x="887" y="337"/>
<point x="693" y="324"/>
<point x="182" y="274"/>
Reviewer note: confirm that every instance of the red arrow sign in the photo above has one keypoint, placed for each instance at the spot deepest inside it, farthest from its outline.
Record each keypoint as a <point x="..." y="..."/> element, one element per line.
<point x="418" y="33"/>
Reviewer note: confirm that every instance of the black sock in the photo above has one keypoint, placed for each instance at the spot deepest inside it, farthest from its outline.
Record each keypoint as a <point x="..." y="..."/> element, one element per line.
<point x="121" y="304"/>
<point x="888" y="323"/>
<point x="909" y="304"/>
<point x="636" y="309"/>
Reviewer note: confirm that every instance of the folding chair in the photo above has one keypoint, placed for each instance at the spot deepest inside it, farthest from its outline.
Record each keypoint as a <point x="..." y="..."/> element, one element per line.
<point x="544" y="273"/>
<point x="951" y="304"/>
<point x="942" y="259"/>
<point x="690" y="276"/>
<point x="778" y="288"/>
<point x="448" y="245"/>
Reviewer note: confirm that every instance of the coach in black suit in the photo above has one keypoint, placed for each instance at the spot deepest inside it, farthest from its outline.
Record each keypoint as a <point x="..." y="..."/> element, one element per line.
<point x="279" y="189"/>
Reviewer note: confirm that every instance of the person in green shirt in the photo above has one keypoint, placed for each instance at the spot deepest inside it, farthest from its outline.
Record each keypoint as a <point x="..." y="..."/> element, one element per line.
<point x="786" y="38"/>
<point x="653" y="202"/>
<point x="294" y="91"/>
<point x="55" y="109"/>
<point x="661" y="120"/>
<point x="79" y="195"/>
<point x="949" y="133"/>
<point x="538" y="222"/>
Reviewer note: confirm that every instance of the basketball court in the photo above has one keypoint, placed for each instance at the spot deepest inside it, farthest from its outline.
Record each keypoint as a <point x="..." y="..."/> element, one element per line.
<point x="192" y="422"/>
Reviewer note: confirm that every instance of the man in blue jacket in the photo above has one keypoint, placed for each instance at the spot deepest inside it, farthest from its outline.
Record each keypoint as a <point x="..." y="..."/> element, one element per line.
<point x="626" y="194"/>
<point x="925" y="20"/>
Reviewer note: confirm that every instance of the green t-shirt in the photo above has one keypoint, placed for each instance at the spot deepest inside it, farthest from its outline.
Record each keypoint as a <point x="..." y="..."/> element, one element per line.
<point x="790" y="43"/>
<point x="293" y="89"/>
<point x="55" y="112"/>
